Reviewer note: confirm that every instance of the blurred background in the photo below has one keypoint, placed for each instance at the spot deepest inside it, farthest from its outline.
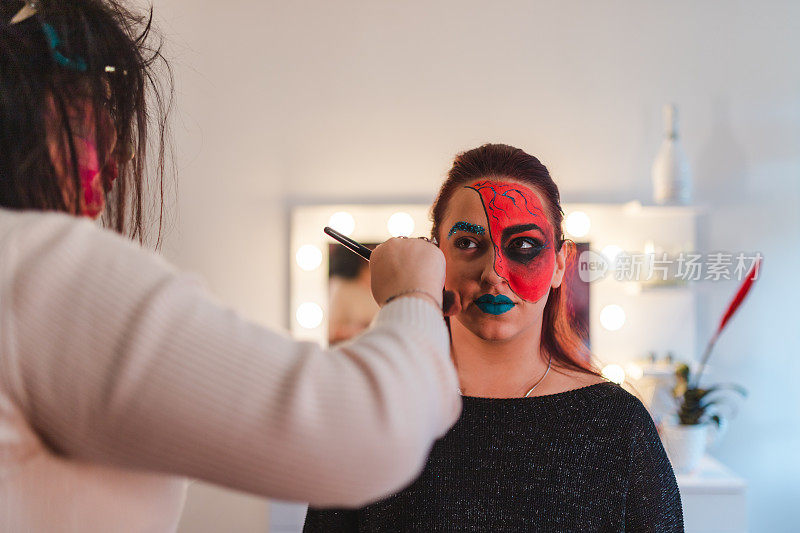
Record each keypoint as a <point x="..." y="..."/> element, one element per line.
<point x="285" y="105"/>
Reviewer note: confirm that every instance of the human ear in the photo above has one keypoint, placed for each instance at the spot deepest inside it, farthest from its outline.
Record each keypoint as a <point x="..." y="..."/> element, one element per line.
<point x="560" y="268"/>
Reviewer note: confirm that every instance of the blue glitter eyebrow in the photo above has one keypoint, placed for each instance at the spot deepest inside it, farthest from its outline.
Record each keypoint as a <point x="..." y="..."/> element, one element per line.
<point x="466" y="226"/>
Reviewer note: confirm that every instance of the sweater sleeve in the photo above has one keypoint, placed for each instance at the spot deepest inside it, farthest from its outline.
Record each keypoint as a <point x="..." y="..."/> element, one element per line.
<point x="653" y="502"/>
<point x="116" y="358"/>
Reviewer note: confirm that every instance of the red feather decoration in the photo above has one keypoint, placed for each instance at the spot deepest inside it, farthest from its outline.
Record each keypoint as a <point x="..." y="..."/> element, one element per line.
<point x="745" y="287"/>
<point x="737" y="300"/>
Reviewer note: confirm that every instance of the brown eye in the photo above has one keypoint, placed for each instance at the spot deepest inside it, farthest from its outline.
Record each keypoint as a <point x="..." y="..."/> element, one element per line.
<point x="524" y="249"/>
<point x="464" y="243"/>
<point x="525" y="243"/>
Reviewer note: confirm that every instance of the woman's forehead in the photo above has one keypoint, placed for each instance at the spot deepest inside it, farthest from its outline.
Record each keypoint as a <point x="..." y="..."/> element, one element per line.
<point x="468" y="200"/>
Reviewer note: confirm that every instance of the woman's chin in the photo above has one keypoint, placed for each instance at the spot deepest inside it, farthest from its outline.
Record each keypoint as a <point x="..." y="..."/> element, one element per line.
<point x="491" y="328"/>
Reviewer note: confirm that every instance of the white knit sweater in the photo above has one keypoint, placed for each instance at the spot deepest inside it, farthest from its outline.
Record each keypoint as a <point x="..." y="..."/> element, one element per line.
<point x="120" y="376"/>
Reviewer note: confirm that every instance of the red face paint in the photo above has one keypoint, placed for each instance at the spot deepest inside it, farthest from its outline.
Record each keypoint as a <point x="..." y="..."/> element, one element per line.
<point x="521" y="236"/>
<point x="91" y="180"/>
<point x="94" y="182"/>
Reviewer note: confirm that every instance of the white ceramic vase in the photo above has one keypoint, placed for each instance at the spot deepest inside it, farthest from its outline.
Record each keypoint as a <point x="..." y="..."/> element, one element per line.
<point x="672" y="182"/>
<point x="686" y="444"/>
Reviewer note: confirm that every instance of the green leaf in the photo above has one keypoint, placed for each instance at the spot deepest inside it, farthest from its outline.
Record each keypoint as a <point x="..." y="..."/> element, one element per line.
<point x="729" y="386"/>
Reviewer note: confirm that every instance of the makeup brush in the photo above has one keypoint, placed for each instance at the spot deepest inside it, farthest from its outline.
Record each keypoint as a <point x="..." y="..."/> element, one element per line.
<point x="448" y="297"/>
<point x="349" y="243"/>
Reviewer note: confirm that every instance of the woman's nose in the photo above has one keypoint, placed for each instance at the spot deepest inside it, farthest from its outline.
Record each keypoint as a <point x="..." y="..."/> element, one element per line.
<point x="489" y="275"/>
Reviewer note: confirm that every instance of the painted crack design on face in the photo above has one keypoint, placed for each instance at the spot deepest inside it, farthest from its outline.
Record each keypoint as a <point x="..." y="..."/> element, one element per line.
<point x="521" y="236"/>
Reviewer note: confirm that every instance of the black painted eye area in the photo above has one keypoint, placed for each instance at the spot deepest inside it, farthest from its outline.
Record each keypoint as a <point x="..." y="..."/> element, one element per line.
<point x="524" y="249"/>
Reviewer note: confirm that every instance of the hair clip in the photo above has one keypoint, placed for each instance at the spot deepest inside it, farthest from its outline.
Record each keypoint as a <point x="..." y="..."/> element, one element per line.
<point x="31" y="8"/>
<point x="28" y="10"/>
<point x="54" y="42"/>
<point x="112" y="69"/>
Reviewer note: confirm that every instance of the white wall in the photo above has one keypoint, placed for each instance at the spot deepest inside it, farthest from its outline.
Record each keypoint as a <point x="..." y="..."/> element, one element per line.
<point x="282" y="102"/>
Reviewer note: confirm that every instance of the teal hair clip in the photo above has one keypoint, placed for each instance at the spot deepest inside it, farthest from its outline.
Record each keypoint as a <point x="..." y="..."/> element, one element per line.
<point x="54" y="42"/>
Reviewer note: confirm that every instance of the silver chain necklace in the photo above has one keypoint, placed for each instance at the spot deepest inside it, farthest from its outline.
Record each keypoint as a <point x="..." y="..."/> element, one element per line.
<point x="549" y="360"/>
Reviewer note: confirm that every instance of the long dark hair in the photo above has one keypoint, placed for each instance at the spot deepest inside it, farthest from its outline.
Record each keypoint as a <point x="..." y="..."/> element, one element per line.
<point x="559" y="338"/>
<point x="136" y="91"/>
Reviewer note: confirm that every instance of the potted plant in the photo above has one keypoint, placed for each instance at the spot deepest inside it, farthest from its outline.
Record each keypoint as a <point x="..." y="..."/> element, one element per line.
<point x="700" y="420"/>
<point x="687" y="438"/>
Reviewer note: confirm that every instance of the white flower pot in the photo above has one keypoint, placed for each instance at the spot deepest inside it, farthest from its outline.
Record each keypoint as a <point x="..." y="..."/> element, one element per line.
<point x="685" y="445"/>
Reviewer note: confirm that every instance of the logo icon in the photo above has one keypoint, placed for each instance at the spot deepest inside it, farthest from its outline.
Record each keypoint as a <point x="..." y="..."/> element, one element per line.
<point x="592" y="266"/>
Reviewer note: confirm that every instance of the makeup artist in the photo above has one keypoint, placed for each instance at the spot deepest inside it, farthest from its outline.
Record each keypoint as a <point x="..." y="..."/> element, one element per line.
<point x="119" y="376"/>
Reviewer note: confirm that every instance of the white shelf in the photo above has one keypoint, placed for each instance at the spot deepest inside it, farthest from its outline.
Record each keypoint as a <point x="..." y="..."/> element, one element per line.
<point x="714" y="499"/>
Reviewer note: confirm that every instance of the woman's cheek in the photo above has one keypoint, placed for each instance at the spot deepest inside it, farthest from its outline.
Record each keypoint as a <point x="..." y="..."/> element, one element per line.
<point x="452" y="276"/>
<point x="531" y="281"/>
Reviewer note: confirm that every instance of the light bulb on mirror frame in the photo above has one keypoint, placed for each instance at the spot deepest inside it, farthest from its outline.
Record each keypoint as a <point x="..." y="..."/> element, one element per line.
<point x="309" y="315"/>
<point x="400" y="224"/>
<point x="577" y="224"/>
<point x="308" y="257"/>
<point x="343" y="222"/>
<point x="612" y="317"/>
<point x="615" y="373"/>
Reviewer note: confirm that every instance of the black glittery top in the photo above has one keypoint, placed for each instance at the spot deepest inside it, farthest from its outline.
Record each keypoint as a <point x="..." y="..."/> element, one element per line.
<point x="583" y="460"/>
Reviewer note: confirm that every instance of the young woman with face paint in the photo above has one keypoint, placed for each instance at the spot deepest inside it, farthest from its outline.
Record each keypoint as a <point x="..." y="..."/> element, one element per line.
<point x="503" y="260"/>
<point x="544" y="442"/>
<point x="119" y="376"/>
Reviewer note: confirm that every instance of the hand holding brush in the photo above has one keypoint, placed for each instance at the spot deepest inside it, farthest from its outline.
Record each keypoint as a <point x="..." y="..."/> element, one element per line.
<point x="404" y="267"/>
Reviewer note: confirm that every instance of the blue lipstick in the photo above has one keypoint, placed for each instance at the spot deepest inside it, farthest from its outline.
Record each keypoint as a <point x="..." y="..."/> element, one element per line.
<point x="494" y="305"/>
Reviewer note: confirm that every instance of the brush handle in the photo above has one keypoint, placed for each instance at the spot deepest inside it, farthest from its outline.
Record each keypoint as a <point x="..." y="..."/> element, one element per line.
<point x="349" y="243"/>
